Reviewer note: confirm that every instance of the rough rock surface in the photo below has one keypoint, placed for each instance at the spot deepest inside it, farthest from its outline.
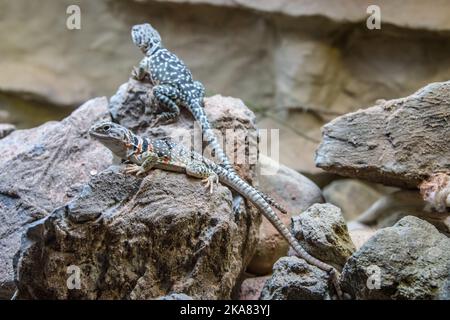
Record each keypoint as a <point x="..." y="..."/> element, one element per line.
<point x="294" y="279"/>
<point x="40" y="170"/>
<point x="137" y="238"/>
<point x="251" y="288"/>
<point x="292" y="190"/>
<point x="391" y="208"/>
<point x="386" y="143"/>
<point x="415" y="14"/>
<point x="407" y="261"/>
<point x="352" y="196"/>
<point x="322" y="231"/>
<point x="164" y="234"/>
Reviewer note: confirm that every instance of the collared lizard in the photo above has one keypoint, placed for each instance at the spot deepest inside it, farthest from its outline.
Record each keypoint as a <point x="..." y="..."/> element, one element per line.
<point x="144" y="154"/>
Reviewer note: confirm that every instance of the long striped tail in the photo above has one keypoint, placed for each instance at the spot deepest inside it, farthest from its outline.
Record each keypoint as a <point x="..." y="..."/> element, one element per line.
<point x="272" y="202"/>
<point x="199" y="114"/>
<point x="255" y="197"/>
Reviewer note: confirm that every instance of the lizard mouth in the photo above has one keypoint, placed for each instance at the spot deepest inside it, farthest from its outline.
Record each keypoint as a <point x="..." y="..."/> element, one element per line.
<point x="94" y="134"/>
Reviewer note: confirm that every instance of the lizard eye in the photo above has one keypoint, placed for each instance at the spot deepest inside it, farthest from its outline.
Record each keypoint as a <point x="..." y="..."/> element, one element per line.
<point x="106" y="128"/>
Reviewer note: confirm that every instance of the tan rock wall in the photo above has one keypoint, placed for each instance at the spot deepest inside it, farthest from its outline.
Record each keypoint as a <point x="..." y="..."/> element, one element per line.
<point x="304" y="53"/>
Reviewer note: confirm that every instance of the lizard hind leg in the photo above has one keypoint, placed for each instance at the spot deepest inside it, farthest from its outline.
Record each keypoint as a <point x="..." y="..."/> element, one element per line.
<point x="166" y="97"/>
<point x="198" y="170"/>
<point x="209" y="183"/>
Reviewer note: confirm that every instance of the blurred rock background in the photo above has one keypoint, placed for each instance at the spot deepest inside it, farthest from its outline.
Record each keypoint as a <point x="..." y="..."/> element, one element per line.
<point x="283" y="58"/>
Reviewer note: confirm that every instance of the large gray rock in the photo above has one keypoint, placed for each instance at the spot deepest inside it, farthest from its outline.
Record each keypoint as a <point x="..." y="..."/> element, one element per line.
<point x="159" y="235"/>
<point x="385" y="143"/>
<point x="410" y="260"/>
<point x="294" y="279"/>
<point x="295" y="193"/>
<point x="40" y="170"/>
<point x="322" y="231"/>
<point x="137" y="238"/>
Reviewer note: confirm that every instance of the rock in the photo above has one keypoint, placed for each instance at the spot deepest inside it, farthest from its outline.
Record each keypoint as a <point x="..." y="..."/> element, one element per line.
<point x="340" y="192"/>
<point x="294" y="192"/>
<point x="305" y="139"/>
<point x="360" y="233"/>
<point x="165" y="237"/>
<point x="384" y="143"/>
<point x="393" y="207"/>
<point x="5" y="129"/>
<point x="407" y="261"/>
<point x="144" y="238"/>
<point x="351" y="11"/>
<point x="294" y="279"/>
<point x="322" y="231"/>
<point x="251" y="288"/>
<point x="40" y="170"/>
<point x="105" y="191"/>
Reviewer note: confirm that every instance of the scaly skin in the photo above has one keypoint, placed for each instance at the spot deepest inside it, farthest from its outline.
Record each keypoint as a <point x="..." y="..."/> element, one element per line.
<point x="145" y="154"/>
<point x="173" y="86"/>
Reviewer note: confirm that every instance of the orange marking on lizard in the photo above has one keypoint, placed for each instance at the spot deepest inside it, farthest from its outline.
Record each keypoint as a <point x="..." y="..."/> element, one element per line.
<point x="139" y="148"/>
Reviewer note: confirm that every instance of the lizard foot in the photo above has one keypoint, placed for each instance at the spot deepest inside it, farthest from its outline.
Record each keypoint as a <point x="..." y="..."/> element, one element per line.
<point x="334" y="275"/>
<point x="134" y="169"/>
<point x="135" y="74"/>
<point x="236" y="205"/>
<point x="209" y="182"/>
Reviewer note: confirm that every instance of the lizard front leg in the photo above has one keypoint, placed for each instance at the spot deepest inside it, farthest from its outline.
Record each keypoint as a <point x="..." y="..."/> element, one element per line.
<point x="139" y="170"/>
<point x="198" y="170"/>
<point x="167" y="97"/>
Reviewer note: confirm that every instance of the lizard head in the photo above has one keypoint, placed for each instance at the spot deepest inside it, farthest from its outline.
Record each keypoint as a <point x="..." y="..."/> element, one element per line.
<point x="145" y="37"/>
<point x="113" y="136"/>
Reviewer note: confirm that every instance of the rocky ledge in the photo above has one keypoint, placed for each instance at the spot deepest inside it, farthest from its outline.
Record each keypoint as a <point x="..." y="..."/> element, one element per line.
<point x="398" y="142"/>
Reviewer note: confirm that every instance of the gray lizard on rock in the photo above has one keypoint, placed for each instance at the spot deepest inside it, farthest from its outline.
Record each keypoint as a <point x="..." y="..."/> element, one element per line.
<point x="144" y="154"/>
<point x="173" y="85"/>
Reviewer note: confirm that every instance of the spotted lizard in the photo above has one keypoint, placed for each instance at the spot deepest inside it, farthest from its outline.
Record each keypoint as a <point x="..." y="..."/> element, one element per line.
<point x="173" y="85"/>
<point x="144" y="154"/>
